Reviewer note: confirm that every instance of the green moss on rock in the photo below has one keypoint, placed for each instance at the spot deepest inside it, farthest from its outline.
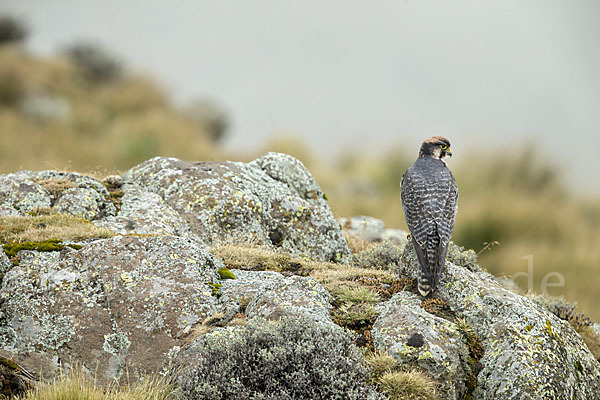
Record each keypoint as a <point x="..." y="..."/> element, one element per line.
<point x="11" y="249"/>
<point x="225" y="273"/>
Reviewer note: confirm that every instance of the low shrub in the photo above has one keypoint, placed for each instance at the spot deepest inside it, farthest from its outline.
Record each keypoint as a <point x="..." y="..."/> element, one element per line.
<point x="293" y="358"/>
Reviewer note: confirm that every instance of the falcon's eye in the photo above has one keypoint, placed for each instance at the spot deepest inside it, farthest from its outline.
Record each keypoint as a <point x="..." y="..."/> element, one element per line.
<point x="444" y="147"/>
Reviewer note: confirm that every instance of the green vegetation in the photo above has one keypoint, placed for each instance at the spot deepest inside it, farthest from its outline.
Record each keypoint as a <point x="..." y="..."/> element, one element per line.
<point x="293" y="358"/>
<point x="11" y="249"/>
<point x="225" y="273"/>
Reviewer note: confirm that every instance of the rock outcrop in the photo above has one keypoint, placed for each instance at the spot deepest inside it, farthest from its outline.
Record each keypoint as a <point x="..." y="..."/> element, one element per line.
<point x="272" y="200"/>
<point x="528" y="351"/>
<point x="135" y="302"/>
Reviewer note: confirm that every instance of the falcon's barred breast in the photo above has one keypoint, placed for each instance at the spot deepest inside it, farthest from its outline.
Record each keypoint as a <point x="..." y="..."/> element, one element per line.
<point x="429" y="198"/>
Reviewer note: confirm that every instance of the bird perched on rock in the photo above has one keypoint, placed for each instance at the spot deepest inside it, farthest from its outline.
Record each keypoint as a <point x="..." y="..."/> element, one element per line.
<point x="429" y="198"/>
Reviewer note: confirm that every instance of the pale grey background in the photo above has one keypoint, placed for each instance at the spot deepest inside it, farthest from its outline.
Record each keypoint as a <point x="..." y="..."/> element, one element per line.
<point x="363" y="74"/>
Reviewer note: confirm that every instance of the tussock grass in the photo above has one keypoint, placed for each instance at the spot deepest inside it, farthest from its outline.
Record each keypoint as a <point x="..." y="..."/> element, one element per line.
<point x="78" y="385"/>
<point x="260" y="258"/>
<point x="356" y="243"/>
<point x="46" y="227"/>
<point x="408" y="385"/>
<point x="380" y="362"/>
<point x="357" y="294"/>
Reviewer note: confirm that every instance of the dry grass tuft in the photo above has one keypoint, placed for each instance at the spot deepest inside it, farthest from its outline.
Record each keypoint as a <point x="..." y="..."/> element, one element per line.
<point x="257" y="258"/>
<point x="56" y="186"/>
<point x="46" y="227"/>
<point x="591" y="339"/>
<point x="78" y="385"/>
<point x="411" y="385"/>
<point x="356" y="242"/>
<point x="437" y="307"/>
<point x="381" y="363"/>
<point x="355" y="294"/>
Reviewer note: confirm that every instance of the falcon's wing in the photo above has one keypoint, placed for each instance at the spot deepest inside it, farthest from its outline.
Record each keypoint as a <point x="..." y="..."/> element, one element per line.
<point x="429" y="204"/>
<point x="448" y="199"/>
<point x="415" y="194"/>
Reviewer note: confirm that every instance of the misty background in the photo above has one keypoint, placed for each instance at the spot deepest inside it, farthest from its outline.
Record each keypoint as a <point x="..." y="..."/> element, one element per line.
<point x="363" y="75"/>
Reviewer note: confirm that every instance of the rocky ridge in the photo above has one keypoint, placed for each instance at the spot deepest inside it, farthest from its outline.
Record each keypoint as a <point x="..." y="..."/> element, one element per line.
<point x="129" y="304"/>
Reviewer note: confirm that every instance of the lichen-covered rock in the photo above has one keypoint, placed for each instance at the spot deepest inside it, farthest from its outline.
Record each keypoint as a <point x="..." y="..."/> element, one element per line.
<point x="114" y="305"/>
<point x="5" y="263"/>
<point x="368" y="228"/>
<point x="25" y="191"/>
<point x="373" y="230"/>
<point x="293" y="295"/>
<point x="272" y="200"/>
<point x="145" y="212"/>
<point x="271" y="295"/>
<point x="529" y="352"/>
<point x="83" y="203"/>
<point x="21" y="194"/>
<point x="415" y="337"/>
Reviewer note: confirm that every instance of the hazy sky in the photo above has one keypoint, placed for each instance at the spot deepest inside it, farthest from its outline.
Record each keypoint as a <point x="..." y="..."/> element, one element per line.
<point x="363" y="74"/>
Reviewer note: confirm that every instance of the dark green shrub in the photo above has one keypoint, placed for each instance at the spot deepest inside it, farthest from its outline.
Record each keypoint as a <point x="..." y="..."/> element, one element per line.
<point x="97" y="64"/>
<point x="11" y="29"/>
<point x="294" y="358"/>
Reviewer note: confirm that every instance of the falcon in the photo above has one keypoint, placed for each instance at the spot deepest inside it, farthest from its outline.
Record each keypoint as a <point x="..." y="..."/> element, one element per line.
<point x="429" y="199"/>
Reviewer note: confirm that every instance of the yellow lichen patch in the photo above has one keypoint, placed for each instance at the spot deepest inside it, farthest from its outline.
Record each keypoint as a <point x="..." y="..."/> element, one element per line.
<point x="46" y="227"/>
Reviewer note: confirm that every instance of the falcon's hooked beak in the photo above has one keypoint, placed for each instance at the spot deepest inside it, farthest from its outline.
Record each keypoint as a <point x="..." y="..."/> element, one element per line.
<point x="449" y="152"/>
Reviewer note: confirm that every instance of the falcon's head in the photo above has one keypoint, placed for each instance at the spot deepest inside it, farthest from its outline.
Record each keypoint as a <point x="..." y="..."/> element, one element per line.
<point x="436" y="147"/>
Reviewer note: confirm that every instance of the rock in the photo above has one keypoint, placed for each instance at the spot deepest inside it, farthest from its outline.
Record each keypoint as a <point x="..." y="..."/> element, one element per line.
<point x="117" y="304"/>
<point x="271" y="295"/>
<point x="272" y="200"/>
<point x="83" y="203"/>
<point x="21" y="194"/>
<point x="415" y="337"/>
<point x="529" y="352"/>
<point x="7" y="210"/>
<point x="66" y="192"/>
<point x="44" y="107"/>
<point x="398" y="236"/>
<point x="5" y="264"/>
<point x="368" y="228"/>
<point x="144" y="212"/>
<point x="373" y="230"/>
<point x="293" y="295"/>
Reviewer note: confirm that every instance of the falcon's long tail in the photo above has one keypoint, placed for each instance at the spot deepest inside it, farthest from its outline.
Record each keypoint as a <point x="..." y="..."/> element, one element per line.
<point x="424" y="283"/>
<point x="431" y="260"/>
